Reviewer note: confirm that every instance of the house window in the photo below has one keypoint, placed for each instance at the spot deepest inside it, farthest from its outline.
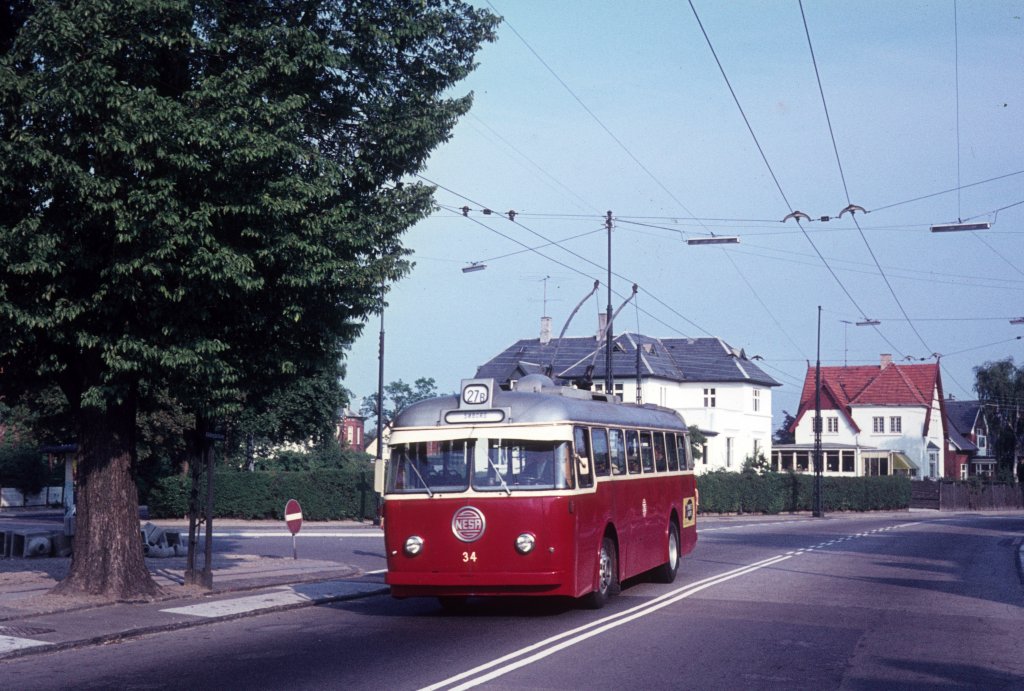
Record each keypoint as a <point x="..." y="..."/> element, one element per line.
<point x="709" y="398"/>
<point x="982" y="444"/>
<point x="757" y="400"/>
<point x="848" y="462"/>
<point x="802" y="461"/>
<point x="896" y="424"/>
<point x="833" y="424"/>
<point x="728" y="452"/>
<point x="831" y="461"/>
<point x="963" y="471"/>
<point x="876" y="466"/>
<point x="878" y="425"/>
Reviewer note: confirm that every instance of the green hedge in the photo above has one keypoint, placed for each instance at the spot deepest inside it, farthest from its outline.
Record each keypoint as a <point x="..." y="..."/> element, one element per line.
<point x="341" y="494"/>
<point x="324" y="494"/>
<point x="772" y="493"/>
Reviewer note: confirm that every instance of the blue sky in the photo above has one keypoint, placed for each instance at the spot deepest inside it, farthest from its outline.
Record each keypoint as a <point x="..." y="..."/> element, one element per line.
<point x="585" y="107"/>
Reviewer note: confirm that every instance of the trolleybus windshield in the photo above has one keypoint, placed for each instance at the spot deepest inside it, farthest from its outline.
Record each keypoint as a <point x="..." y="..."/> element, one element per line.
<point x="523" y="465"/>
<point x="428" y="467"/>
<point x="509" y="465"/>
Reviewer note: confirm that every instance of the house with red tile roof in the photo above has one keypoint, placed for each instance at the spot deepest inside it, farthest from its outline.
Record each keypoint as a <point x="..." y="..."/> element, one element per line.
<point x="876" y="420"/>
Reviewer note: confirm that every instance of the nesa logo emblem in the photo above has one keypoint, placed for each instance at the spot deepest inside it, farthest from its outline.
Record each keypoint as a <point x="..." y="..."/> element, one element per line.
<point x="468" y="524"/>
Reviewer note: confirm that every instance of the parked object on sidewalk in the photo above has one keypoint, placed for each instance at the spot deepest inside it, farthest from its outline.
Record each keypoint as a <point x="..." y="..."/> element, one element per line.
<point x="31" y="543"/>
<point x="155" y="542"/>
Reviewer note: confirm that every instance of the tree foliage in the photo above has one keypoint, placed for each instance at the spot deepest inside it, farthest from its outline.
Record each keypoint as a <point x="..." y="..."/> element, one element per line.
<point x="698" y="442"/>
<point x="23" y="466"/>
<point x="398" y="395"/>
<point x="784" y="434"/>
<point x="1000" y="385"/>
<point x="200" y="202"/>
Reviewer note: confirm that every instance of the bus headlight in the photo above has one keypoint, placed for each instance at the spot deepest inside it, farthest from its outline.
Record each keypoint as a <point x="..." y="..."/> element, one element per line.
<point x="525" y="543"/>
<point x="413" y="545"/>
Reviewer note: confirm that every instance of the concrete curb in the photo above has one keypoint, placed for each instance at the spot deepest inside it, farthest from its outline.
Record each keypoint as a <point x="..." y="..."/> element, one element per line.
<point x="185" y="624"/>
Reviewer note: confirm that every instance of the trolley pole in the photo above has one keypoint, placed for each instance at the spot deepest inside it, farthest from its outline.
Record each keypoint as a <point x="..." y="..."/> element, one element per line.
<point x="609" y="378"/>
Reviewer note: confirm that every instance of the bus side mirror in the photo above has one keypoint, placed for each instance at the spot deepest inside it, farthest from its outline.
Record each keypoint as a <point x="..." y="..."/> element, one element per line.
<point x="379" y="467"/>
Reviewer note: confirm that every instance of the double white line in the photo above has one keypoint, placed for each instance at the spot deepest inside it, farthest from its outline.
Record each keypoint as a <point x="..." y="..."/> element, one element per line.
<point x="550" y="646"/>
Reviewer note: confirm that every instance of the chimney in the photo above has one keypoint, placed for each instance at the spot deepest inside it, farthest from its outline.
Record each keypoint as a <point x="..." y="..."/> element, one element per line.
<point x="602" y="326"/>
<point x="886" y="360"/>
<point x="545" y="330"/>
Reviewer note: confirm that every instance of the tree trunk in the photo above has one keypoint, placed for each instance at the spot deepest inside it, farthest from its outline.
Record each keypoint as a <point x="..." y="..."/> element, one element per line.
<point x="107" y="558"/>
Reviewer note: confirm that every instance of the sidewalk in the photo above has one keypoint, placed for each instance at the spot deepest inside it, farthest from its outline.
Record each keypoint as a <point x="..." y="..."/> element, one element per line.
<point x="31" y="621"/>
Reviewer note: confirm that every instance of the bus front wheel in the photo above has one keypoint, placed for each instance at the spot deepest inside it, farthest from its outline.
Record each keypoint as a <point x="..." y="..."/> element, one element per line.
<point x="607" y="575"/>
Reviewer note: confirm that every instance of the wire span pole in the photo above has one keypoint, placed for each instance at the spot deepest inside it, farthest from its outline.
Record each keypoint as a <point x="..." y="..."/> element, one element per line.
<point x="817" y="510"/>
<point x="609" y="378"/>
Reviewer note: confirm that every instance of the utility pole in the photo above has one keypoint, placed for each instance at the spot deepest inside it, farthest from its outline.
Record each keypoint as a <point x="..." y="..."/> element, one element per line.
<point x="609" y="378"/>
<point x="380" y="396"/>
<point x="817" y="510"/>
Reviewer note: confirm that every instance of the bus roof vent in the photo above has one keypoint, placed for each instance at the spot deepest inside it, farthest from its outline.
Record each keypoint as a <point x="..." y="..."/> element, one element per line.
<point x="534" y="383"/>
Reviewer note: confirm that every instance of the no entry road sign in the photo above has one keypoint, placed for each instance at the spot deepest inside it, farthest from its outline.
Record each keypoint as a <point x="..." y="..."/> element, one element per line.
<point x="293" y="516"/>
<point x="293" y="519"/>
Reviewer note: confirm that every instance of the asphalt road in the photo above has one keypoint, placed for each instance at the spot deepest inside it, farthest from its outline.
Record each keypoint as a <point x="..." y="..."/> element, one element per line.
<point x="900" y="601"/>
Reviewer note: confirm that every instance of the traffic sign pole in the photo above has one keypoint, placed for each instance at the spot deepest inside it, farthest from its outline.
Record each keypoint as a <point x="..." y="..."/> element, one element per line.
<point x="293" y="519"/>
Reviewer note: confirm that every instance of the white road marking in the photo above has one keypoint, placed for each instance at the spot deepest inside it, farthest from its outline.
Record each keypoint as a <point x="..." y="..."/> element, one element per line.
<point x="595" y="628"/>
<point x="286" y="595"/>
<point x="10" y="643"/>
<point x="559" y="642"/>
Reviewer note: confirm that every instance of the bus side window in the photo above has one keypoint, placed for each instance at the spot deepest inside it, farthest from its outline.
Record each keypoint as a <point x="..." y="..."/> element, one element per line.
<point x="599" y="443"/>
<point x="683" y="443"/>
<point x="673" y="451"/>
<point x="582" y="450"/>
<point x="646" y="452"/>
<point x="660" y="462"/>
<point x="633" y="452"/>
<point x="617" y="452"/>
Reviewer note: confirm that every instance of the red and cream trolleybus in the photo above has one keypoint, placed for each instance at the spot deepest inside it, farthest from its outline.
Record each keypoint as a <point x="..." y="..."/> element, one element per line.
<point x="543" y="490"/>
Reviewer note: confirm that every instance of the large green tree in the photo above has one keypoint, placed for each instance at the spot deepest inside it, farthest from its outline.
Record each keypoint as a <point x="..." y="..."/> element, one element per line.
<point x="200" y="199"/>
<point x="1000" y="385"/>
<point x="397" y="395"/>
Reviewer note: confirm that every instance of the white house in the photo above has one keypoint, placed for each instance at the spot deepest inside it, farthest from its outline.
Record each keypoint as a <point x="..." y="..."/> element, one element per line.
<point x="876" y="420"/>
<point x="714" y="386"/>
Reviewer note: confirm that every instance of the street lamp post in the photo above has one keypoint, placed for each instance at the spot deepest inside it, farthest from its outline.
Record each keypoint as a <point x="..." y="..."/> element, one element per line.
<point x="380" y="396"/>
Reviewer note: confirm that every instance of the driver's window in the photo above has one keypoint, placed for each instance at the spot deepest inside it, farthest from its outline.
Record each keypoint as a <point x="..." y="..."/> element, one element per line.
<point x="583" y="460"/>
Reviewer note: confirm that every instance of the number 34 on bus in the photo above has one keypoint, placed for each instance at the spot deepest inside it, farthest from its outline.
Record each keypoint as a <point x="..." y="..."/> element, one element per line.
<point x="542" y="490"/>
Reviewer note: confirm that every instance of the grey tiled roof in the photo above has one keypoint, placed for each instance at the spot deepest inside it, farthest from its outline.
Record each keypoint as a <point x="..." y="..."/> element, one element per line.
<point x="583" y="359"/>
<point x="963" y="414"/>
<point x="962" y="417"/>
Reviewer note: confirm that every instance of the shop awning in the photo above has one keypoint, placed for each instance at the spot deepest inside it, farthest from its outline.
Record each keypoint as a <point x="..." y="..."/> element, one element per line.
<point x="901" y="461"/>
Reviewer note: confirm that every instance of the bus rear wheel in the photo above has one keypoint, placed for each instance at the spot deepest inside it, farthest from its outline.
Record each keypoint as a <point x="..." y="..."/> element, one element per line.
<point x="607" y="576"/>
<point x="666" y="573"/>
